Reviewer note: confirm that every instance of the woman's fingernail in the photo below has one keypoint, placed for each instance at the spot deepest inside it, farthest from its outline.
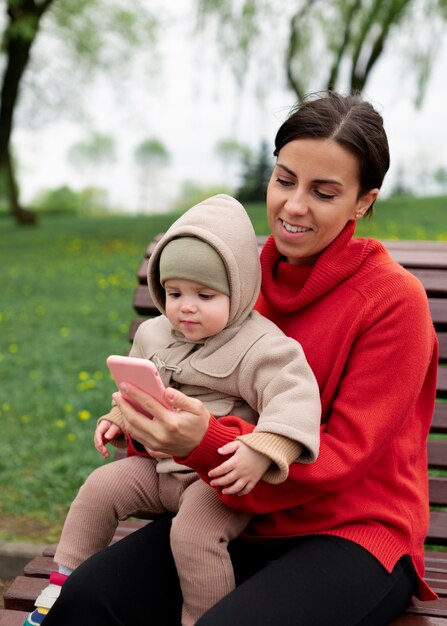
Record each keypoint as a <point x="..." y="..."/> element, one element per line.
<point x="124" y="387"/>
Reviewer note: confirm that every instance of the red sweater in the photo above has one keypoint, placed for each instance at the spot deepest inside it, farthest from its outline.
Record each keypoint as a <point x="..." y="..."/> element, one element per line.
<point x="365" y="326"/>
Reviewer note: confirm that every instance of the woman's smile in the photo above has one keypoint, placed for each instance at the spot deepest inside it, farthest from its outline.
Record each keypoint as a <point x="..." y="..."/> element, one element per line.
<point x="290" y="228"/>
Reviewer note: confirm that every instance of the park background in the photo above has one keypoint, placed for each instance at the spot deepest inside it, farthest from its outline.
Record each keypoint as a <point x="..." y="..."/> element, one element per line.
<point x="123" y="118"/>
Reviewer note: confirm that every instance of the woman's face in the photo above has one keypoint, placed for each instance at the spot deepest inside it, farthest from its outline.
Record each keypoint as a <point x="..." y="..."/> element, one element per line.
<point x="312" y="194"/>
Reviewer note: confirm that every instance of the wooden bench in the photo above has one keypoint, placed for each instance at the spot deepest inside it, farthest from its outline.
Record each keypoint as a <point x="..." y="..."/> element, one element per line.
<point x="428" y="261"/>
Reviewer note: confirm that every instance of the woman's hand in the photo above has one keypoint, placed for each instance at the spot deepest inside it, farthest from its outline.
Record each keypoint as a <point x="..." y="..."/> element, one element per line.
<point x="176" y="431"/>
<point x="104" y="433"/>
<point x="240" y="473"/>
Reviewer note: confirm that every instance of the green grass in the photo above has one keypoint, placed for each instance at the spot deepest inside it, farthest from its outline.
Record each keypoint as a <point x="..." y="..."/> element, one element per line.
<point x="66" y="304"/>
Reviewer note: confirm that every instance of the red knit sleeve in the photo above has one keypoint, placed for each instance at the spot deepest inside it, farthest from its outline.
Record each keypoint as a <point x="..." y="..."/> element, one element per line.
<point x="380" y="415"/>
<point x="205" y="456"/>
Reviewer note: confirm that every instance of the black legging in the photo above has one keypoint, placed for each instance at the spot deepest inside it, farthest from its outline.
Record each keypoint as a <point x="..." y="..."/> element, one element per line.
<point x="317" y="580"/>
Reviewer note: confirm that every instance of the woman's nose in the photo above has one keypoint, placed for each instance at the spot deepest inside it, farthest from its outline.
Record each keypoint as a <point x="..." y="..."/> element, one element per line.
<point x="297" y="204"/>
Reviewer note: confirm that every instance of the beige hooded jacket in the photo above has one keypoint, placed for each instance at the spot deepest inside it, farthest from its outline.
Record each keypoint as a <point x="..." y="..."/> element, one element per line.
<point x="250" y="369"/>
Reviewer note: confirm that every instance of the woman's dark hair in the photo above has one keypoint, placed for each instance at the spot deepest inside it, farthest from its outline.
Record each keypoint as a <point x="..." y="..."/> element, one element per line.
<point x="348" y="120"/>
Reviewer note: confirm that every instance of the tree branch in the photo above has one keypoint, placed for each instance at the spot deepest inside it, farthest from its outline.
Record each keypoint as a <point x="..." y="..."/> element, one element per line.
<point x="293" y="47"/>
<point x="360" y="75"/>
<point x="333" y="75"/>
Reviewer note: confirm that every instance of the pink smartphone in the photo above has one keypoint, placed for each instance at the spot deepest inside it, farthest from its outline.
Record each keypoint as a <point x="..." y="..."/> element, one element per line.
<point x="139" y="372"/>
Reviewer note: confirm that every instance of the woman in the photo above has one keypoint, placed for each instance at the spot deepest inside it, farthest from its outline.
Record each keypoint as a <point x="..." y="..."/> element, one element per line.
<point x="340" y="542"/>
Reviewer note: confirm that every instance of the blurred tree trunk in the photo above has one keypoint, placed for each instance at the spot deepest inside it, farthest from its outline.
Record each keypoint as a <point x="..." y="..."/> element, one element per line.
<point x="20" y="33"/>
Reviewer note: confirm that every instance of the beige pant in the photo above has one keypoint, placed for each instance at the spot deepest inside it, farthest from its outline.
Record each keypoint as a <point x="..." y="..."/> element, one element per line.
<point x="200" y="531"/>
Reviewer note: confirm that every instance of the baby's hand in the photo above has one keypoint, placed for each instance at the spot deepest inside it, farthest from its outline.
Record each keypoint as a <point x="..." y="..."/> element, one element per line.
<point x="104" y="433"/>
<point x="240" y="473"/>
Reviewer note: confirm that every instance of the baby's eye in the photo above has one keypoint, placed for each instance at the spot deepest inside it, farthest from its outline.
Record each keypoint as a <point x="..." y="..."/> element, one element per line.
<point x="173" y="294"/>
<point x="206" y="296"/>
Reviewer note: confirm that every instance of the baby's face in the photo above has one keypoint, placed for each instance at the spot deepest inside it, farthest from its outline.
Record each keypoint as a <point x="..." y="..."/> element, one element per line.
<point x="195" y="310"/>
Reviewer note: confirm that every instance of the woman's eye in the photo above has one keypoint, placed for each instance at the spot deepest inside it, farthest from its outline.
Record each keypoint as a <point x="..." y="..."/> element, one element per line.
<point x="324" y="196"/>
<point x="284" y="181"/>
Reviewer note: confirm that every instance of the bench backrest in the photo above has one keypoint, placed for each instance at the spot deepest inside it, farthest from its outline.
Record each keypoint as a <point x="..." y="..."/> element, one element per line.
<point x="428" y="261"/>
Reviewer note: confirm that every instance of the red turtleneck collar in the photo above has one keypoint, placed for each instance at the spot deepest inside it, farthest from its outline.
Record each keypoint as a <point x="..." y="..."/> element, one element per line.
<point x="288" y="288"/>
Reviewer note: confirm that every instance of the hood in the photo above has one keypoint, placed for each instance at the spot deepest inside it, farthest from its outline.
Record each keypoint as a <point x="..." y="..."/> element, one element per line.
<point x="222" y="222"/>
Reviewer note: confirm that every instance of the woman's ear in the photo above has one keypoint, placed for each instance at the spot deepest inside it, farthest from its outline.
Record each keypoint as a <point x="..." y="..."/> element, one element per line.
<point x="365" y="201"/>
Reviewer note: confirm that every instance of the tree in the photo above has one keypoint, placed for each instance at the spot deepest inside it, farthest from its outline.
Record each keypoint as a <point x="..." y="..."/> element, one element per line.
<point x="440" y="178"/>
<point x="232" y="154"/>
<point x="23" y="22"/>
<point x="150" y="156"/>
<point x="257" y="172"/>
<point x="97" y="34"/>
<point x="339" y="43"/>
<point x="98" y="149"/>
<point x="333" y="44"/>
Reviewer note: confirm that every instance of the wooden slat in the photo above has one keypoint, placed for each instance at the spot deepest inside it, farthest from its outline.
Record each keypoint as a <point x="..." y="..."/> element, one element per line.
<point x="434" y="281"/>
<point x="438" y="494"/>
<point x="40" y="567"/>
<point x="442" y="339"/>
<point x="437" y="453"/>
<point x="414" y="244"/>
<point x="50" y="550"/>
<point x="435" y="561"/>
<point x="438" y="583"/>
<point x="12" y="618"/>
<point x="434" y="608"/>
<point x="22" y="592"/>
<point x="142" y="272"/>
<point x="133" y="327"/>
<point x="423" y="259"/>
<point x="142" y="301"/>
<point x="438" y="310"/>
<point x="437" y="533"/>
<point x="441" y="385"/>
<point x="418" y="620"/>
<point x="439" y="423"/>
<point x="152" y="245"/>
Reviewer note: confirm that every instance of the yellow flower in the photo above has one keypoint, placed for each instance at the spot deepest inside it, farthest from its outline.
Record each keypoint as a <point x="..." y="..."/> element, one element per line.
<point x="68" y="408"/>
<point x="83" y="375"/>
<point x="84" y="415"/>
<point x="71" y="437"/>
<point x="24" y="419"/>
<point x="59" y="423"/>
<point x="13" y="348"/>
